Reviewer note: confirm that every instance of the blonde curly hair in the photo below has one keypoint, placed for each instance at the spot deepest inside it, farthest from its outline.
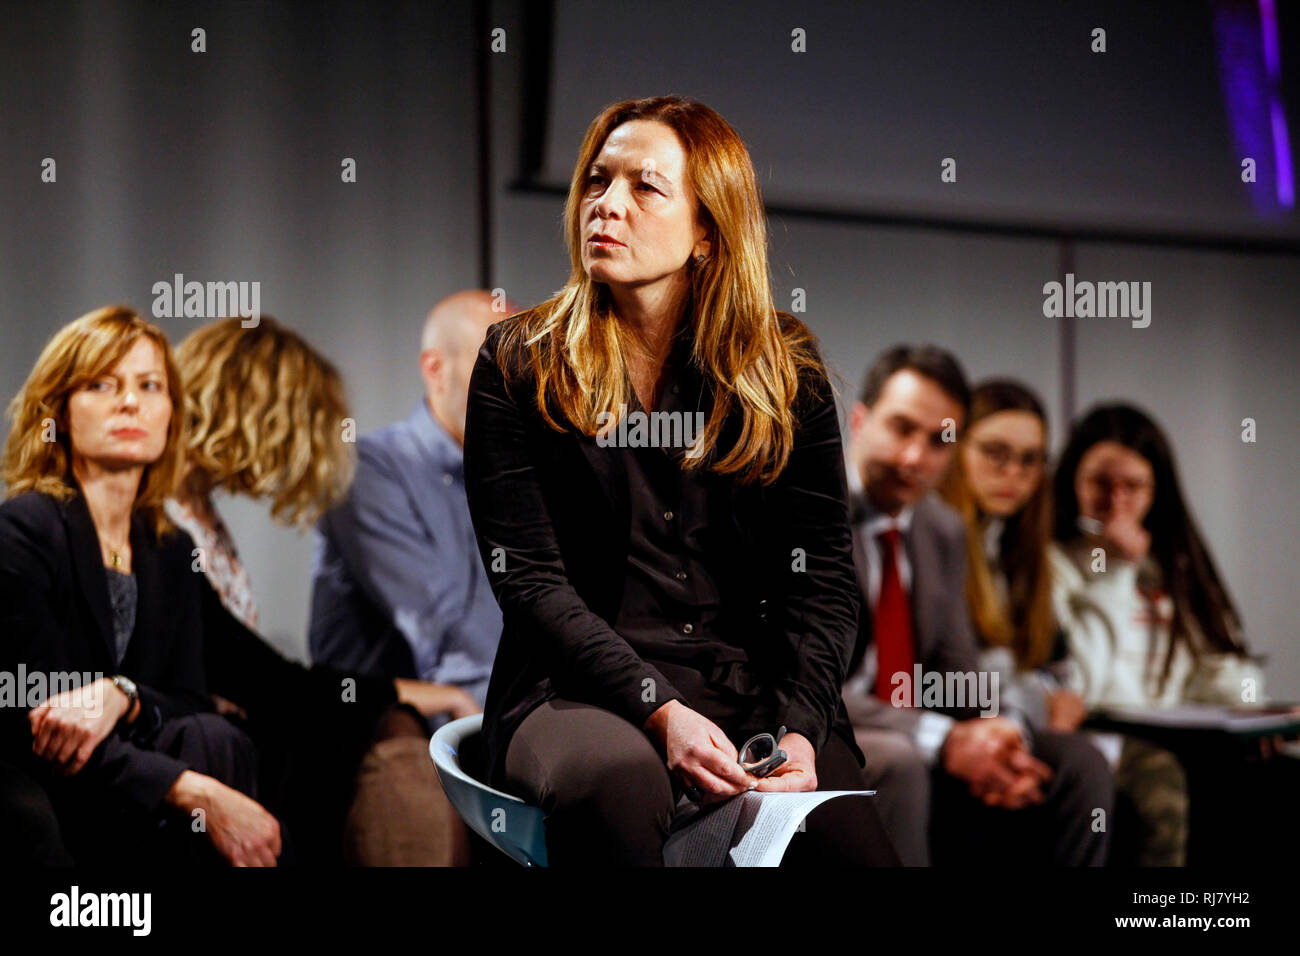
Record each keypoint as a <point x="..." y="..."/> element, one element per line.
<point x="266" y="415"/>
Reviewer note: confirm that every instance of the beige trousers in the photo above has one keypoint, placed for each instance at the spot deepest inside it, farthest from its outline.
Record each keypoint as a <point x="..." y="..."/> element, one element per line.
<point x="399" y="814"/>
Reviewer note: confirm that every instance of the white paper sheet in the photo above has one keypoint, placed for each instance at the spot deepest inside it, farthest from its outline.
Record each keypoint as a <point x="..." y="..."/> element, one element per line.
<point x="750" y="829"/>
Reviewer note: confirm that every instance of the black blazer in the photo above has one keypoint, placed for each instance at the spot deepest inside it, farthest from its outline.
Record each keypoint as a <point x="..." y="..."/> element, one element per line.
<point x="286" y="700"/>
<point x="55" y="616"/>
<point x="556" y="505"/>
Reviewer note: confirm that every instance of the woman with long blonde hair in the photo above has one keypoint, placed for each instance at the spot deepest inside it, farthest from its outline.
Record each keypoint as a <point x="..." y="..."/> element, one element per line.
<point x="94" y="580"/>
<point x="268" y="419"/>
<point x="655" y="474"/>
<point x="998" y="483"/>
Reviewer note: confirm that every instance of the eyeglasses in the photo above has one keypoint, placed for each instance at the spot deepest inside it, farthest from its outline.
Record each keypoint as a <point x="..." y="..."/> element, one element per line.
<point x="760" y="755"/>
<point x="1001" y="455"/>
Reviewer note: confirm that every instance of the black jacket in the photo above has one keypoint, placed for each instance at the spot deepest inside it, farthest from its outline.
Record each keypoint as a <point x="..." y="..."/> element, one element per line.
<point x="291" y="708"/>
<point x="282" y="697"/>
<point x="55" y="616"/>
<point x="552" y="507"/>
<point x="312" y="727"/>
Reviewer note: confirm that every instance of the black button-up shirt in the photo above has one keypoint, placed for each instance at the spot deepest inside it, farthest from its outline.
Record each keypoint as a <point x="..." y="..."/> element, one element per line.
<point x="673" y="610"/>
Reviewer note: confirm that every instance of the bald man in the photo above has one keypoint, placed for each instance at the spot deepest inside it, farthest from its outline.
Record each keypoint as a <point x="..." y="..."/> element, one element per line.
<point x="398" y="587"/>
<point x="449" y="347"/>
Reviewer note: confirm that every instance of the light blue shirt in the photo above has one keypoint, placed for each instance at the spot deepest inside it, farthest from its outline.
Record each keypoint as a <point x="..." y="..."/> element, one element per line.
<point x="398" y="587"/>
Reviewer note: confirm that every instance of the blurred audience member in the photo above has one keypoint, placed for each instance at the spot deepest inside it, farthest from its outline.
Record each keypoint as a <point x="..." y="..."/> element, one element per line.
<point x="267" y="420"/>
<point x="93" y="580"/>
<point x="949" y="774"/>
<point x="1149" y="620"/>
<point x="998" y="484"/>
<point x="398" y="587"/>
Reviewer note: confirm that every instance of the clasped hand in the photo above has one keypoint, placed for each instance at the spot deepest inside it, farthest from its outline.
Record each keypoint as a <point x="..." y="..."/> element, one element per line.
<point x="67" y="727"/>
<point x="990" y="755"/>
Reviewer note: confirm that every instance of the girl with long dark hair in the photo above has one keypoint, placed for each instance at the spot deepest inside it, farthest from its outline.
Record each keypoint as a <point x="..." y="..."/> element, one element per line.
<point x="1173" y="633"/>
<point x="1149" y="620"/>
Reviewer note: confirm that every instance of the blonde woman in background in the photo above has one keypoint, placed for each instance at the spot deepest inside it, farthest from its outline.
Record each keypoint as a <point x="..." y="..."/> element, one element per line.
<point x="998" y="484"/>
<point x="94" y="579"/>
<point x="266" y="420"/>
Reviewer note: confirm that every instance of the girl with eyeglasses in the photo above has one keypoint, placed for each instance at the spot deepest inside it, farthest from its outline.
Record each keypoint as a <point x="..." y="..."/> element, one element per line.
<point x="1149" y="619"/>
<point x="998" y="484"/>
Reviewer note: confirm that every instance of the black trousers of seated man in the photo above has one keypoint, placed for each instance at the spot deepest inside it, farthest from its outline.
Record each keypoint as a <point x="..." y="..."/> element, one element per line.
<point x="609" y="797"/>
<point x="1070" y="827"/>
<point x="931" y="816"/>
<point x="107" y="830"/>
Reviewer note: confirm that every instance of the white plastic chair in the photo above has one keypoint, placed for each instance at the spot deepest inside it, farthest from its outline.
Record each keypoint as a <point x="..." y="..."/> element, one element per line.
<point x="512" y="826"/>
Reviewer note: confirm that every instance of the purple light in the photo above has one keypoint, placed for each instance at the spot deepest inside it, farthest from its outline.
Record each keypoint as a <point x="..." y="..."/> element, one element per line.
<point x="1250" y="67"/>
<point x="1281" y="153"/>
<point x="1268" y="29"/>
<point x="1277" y="115"/>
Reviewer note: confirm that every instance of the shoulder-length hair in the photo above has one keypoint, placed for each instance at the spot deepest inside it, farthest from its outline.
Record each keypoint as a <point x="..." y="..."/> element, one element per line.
<point x="750" y="356"/>
<point x="1188" y="574"/>
<point x="1025" y="622"/>
<point x="266" y="416"/>
<point x="38" y="451"/>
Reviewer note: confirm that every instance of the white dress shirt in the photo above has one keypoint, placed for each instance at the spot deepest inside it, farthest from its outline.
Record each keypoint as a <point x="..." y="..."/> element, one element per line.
<point x="932" y="727"/>
<point x="872" y="529"/>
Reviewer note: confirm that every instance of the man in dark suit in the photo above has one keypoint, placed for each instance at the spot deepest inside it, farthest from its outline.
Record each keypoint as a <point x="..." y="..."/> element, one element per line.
<point x="945" y="758"/>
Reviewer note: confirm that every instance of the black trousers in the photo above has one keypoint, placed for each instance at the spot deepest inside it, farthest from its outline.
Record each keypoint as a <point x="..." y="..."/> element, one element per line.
<point x="609" y="798"/>
<point x="109" y="832"/>
<point x="29" y="827"/>
<point x="1071" y="827"/>
<point x="307" y="775"/>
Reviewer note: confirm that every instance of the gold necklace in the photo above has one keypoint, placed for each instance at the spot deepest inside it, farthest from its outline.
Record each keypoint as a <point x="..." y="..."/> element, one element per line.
<point x="115" y="554"/>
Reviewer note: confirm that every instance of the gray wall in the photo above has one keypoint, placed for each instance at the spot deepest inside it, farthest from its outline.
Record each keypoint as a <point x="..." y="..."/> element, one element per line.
<point x="225" y="165"/>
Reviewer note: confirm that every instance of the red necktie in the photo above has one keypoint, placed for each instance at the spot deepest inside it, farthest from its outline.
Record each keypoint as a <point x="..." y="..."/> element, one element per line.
<point x="893" y="622"/>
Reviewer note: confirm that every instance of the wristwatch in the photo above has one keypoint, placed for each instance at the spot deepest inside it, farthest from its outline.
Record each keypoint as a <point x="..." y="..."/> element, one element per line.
<point x="127" y="686"/>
